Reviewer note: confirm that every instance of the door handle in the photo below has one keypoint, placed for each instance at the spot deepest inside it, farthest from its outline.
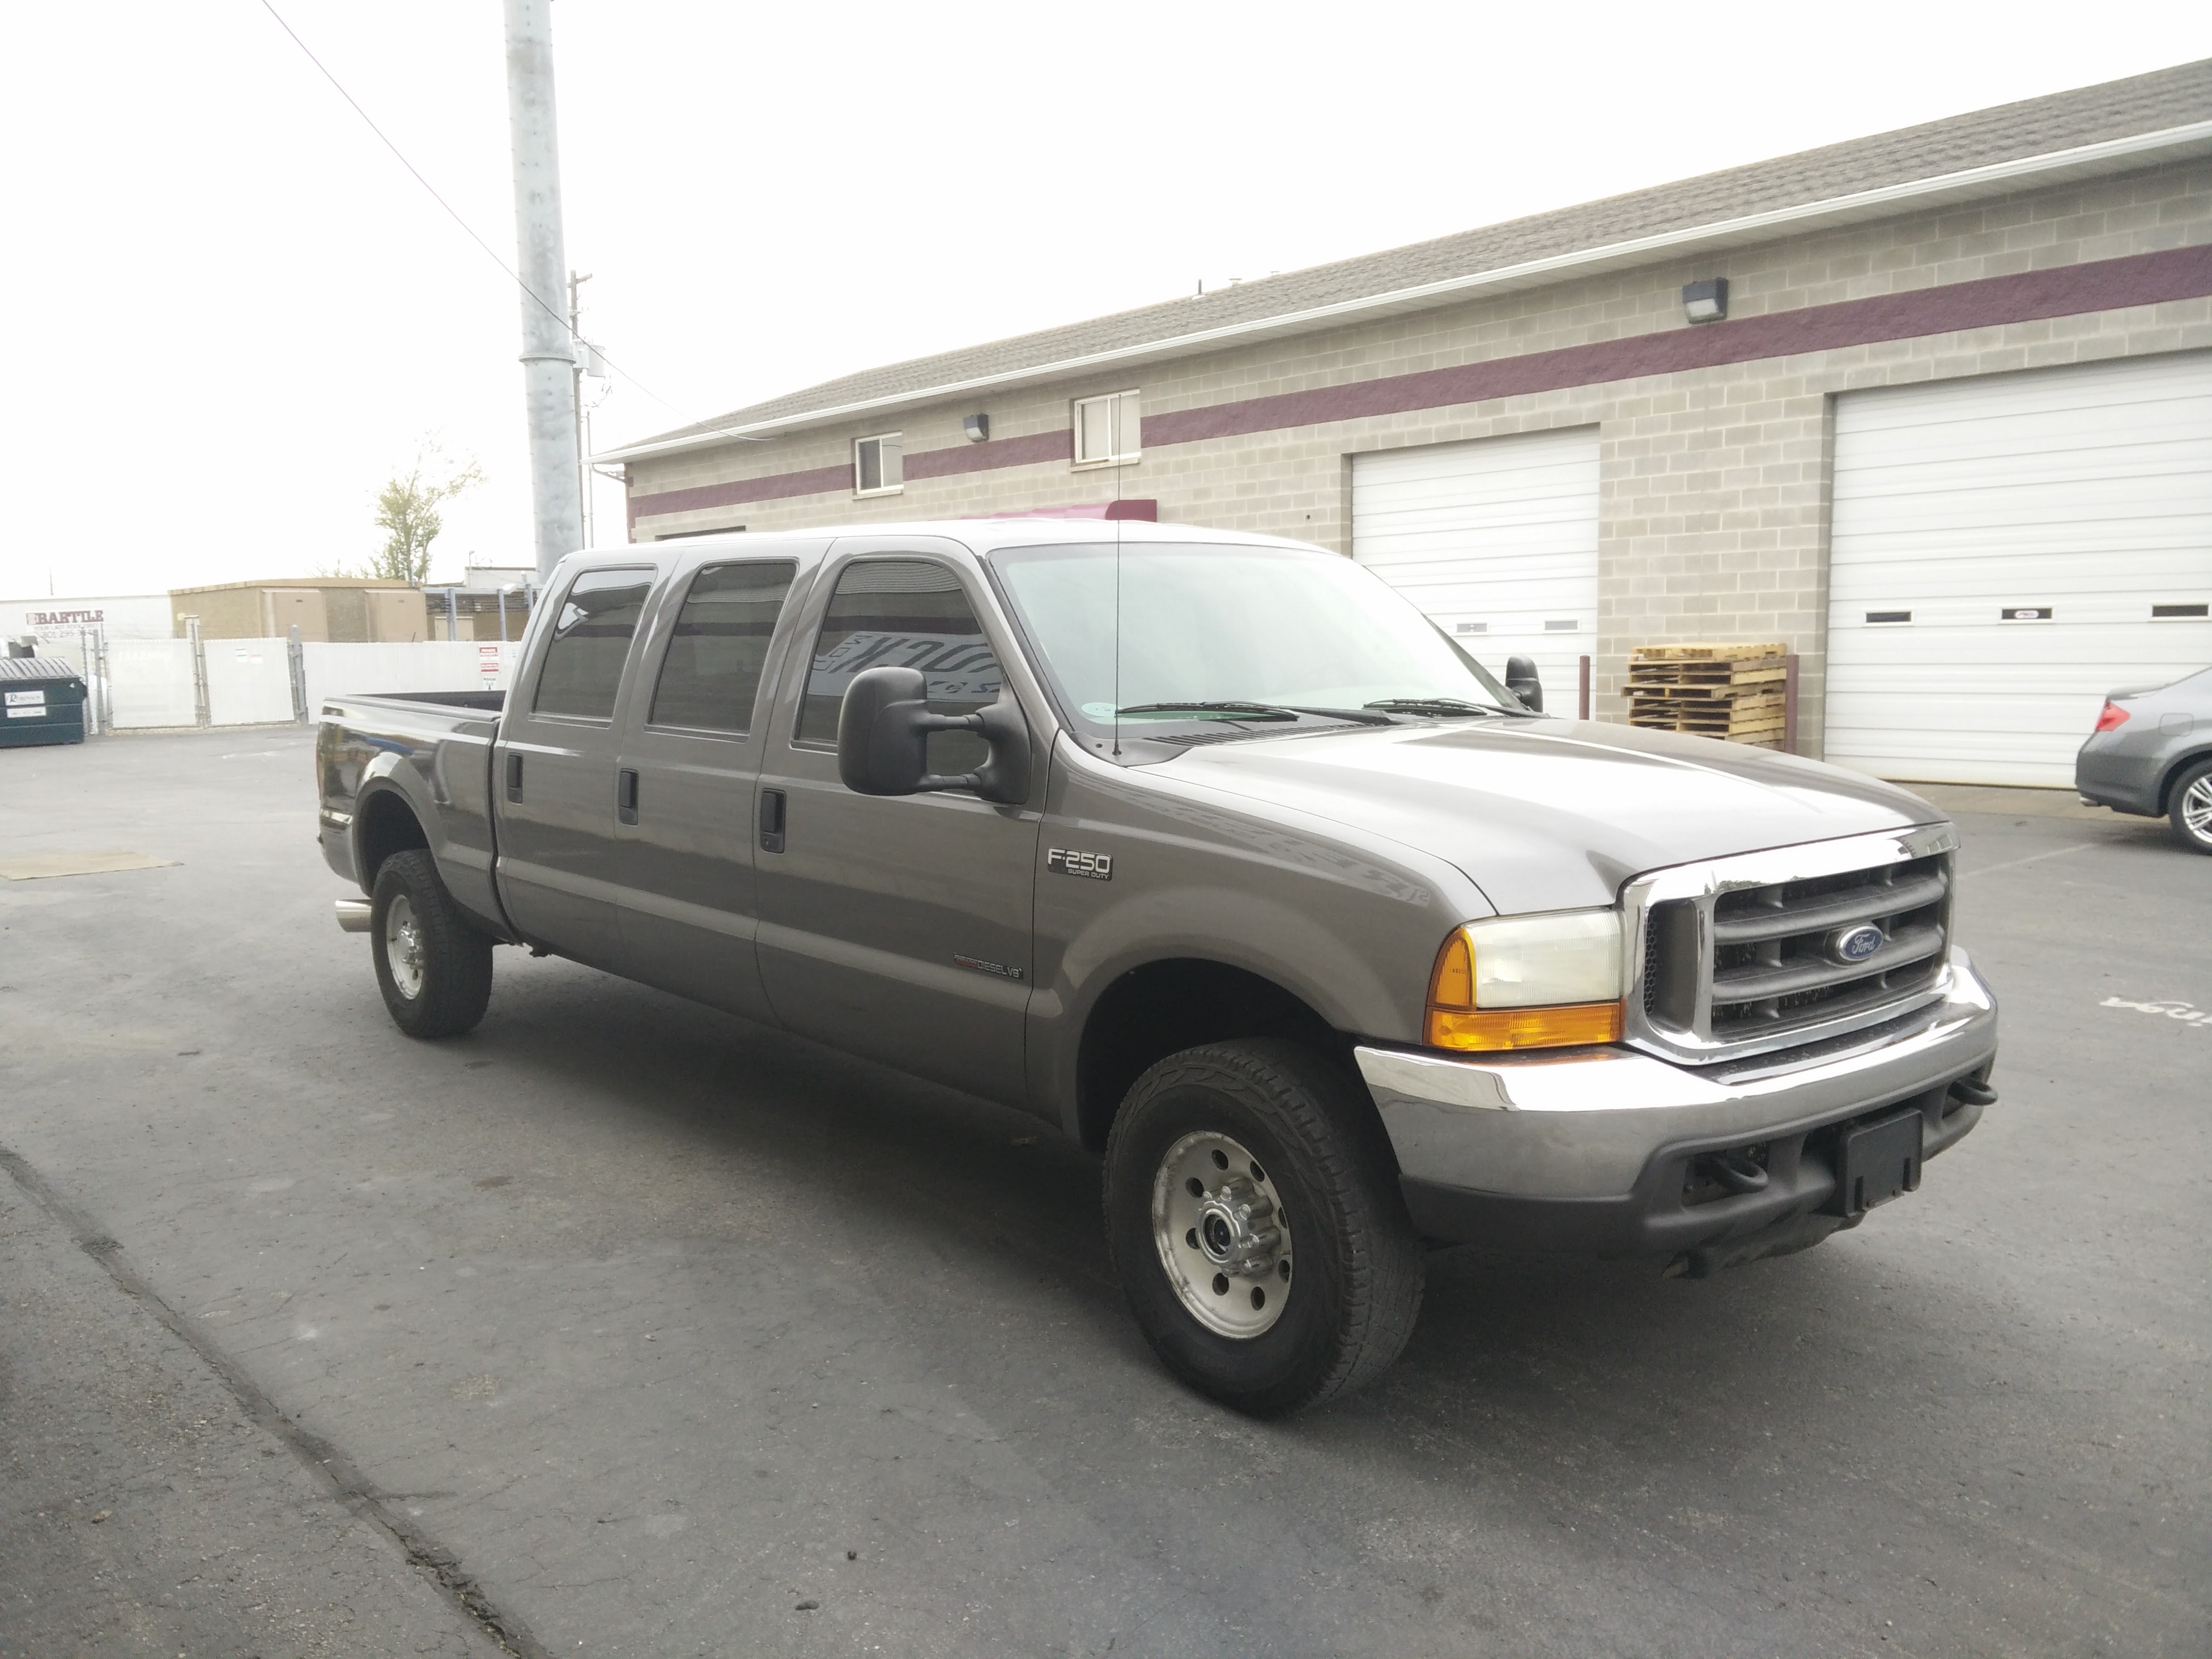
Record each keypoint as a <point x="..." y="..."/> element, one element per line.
<point x="626" y="795"/>
<point x="515" y="777"/>
<point x="771" y="820"/>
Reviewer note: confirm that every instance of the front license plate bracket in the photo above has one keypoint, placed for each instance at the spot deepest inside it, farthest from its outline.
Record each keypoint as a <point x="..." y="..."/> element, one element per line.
<point x="1876" y="1162"/>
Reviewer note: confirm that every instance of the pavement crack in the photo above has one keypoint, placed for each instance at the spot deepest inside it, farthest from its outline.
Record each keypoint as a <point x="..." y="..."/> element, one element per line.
<point x="324" y="1461"/>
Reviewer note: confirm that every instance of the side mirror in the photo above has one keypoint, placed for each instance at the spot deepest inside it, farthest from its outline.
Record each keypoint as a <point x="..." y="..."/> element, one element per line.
<point x="1520" y="680"/>
<point x="883" y="740"/>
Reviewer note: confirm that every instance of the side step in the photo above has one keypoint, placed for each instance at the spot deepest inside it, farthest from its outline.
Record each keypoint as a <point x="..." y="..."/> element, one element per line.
<point x="353" y="915"/>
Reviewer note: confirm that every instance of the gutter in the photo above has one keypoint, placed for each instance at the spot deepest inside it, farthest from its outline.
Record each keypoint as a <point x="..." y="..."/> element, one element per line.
<point x="2112" y="155"/>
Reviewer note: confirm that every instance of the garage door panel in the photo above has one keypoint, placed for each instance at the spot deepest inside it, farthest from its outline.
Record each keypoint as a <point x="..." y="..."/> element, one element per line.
<point x="1495" y="540"/>
<point x="2087" y="491"/>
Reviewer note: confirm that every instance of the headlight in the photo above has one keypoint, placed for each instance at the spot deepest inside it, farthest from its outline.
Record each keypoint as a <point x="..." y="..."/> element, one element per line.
<point x="1528" y="982"/>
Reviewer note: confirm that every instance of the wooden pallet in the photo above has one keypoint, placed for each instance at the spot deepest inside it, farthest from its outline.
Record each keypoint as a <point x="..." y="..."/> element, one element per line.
<point x="1732" y="692"/>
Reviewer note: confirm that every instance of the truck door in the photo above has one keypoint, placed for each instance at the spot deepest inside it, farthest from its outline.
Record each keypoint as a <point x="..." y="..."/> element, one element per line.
<point x="896" y="927"/>
<point x="684" y="784"/>
<point x="553" y="783"/>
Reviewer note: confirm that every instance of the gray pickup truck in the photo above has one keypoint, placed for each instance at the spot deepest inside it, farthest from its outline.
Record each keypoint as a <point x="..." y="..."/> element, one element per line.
<point x="1211" y="852"/>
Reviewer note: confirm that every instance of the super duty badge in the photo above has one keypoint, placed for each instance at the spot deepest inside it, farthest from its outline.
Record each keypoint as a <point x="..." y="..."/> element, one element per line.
<point x="1095" y="867"/>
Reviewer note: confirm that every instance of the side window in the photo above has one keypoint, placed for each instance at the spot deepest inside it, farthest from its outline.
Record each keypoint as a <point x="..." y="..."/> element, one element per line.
<point x="591" y="638"/>
<point x="903" y="613"/>
<point x="712" y="672"/>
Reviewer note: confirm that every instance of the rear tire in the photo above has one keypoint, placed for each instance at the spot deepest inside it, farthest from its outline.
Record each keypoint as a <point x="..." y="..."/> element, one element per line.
<point x="2189" y="809"/>
<point x="1281" y="1166"/>
<point x="433" y="968"/>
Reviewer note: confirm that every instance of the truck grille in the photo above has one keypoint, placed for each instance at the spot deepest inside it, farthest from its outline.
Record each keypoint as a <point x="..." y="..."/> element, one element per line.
<point x="1748" y="964"/>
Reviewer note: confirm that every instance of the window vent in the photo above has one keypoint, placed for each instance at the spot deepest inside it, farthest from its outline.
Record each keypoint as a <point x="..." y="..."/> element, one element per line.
<point x="1889" y="616"/>
<point x="2159" y="611"/>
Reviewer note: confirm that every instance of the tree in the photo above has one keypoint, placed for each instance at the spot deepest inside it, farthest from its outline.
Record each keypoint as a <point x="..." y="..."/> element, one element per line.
<point x="407" y="512"/>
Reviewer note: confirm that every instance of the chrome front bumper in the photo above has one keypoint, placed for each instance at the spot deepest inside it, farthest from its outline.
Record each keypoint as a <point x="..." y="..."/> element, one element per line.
<point x="1589" y="1124"/>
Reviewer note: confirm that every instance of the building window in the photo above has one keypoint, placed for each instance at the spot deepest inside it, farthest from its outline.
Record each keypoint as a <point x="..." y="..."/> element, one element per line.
<point x="876" y="465"/>
<point x="1106" y="429"/>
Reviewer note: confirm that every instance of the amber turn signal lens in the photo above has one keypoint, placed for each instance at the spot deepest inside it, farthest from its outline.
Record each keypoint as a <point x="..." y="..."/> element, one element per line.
<point x="1523" y="1028"/>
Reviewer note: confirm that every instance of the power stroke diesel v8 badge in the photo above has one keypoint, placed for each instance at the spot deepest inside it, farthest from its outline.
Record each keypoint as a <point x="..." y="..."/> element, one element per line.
<point x="1095" y="867"/>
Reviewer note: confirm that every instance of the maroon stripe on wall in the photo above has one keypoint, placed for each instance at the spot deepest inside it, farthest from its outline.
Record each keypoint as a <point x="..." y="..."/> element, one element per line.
<point x="2140" y="279"/>
<point x="2107" y="285"/>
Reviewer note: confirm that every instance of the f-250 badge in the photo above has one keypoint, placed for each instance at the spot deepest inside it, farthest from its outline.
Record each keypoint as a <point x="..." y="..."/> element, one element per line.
<point x="1095" y="867"/>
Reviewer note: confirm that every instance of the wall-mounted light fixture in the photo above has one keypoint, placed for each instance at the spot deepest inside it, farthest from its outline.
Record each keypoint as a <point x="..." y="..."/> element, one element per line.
<point x="977" y="427"/>
<point x="1705" y="301"/>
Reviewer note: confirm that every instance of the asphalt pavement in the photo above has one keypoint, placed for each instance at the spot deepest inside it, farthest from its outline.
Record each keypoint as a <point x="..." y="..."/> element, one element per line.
<point x="622" y="1326"/>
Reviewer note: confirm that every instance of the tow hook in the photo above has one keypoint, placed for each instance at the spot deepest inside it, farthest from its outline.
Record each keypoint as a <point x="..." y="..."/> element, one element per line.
<point x="1972" y="1092"/>
<point x="1737" y="1171"/>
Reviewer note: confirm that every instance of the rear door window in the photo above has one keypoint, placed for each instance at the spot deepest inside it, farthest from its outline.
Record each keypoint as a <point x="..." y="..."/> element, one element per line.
<point x="711" y="675"/>
<point x="591" y="640"/>
<point x="903" y="613"/>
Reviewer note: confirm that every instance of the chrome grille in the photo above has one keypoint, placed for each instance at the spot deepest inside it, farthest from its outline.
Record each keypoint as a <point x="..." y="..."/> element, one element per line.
<point x="1772" y="966"/>
<point x="1742" y="955"/>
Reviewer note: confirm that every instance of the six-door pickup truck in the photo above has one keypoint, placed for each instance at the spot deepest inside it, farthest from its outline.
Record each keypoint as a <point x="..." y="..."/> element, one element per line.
<point x="1214" y="854"/>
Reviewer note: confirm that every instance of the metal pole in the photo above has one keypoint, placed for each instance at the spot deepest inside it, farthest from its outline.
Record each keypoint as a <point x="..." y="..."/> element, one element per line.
<point x="91" y="683"/>
<point x="296" y="660"/>
<point x="452" y="615"/>
<point x="576" y="280"/>
<point x="503" y="615"/>
<point x="1790" y="704"/>
<point x="1582" y="703"/>
<point x="548" y="359"/>
<point x="202" y="713"/>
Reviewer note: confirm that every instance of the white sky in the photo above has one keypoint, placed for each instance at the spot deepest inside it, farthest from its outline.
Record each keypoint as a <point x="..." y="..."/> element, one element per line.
<point x="231" y="311"/>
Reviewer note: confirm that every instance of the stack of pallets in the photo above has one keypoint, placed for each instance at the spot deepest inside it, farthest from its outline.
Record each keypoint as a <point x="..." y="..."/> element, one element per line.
<point x="1735" y="692"/>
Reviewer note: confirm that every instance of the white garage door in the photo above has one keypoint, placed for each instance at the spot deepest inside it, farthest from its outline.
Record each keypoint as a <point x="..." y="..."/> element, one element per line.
<point x="1496" y="540"/>
<point x="2006" y="550"/>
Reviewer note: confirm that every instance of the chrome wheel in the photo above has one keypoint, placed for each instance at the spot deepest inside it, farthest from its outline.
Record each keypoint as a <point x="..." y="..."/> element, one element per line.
<point x="2196" y="808"/>
<point x="402" y="946"/>
<point x="1222" y="1234"/>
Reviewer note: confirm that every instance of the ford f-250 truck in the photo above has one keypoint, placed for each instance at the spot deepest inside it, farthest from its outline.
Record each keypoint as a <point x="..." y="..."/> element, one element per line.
<point x="1213" y="853"/>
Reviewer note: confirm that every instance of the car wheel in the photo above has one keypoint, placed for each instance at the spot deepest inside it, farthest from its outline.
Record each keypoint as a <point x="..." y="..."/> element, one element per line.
<point x="2190" y="808"/>
<point x="433" y="968"/>
<point x="1253" y="1215"/>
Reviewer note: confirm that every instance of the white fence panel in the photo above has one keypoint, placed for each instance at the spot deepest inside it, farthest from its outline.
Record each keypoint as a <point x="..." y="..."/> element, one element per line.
<point x="150" y="682"/>
<point x="249" y="682"/>
<point x="337" y="670"/>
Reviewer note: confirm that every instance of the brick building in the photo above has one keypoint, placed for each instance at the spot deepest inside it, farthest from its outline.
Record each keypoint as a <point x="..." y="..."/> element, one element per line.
<point x="1934" y="407"/>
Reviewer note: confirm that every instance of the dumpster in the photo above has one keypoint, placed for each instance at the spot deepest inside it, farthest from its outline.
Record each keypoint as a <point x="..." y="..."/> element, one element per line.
<point x="42" y="700"/>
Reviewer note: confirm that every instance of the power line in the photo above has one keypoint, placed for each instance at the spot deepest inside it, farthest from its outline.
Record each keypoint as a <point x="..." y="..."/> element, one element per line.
<point x="489" y="252"/>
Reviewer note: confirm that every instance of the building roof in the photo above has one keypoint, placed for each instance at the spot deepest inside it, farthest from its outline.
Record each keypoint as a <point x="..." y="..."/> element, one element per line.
<point x="2099" y="129"/>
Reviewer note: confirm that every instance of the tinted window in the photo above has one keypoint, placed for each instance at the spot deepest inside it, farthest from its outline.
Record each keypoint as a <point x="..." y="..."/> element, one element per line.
<point x="591" y="638"/>
<point x="903" y="613"/>
<point x="712" y="672"/>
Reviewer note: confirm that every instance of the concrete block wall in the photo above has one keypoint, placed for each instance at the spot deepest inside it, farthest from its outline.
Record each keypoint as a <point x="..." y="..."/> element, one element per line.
<point x="1714" y="483"/>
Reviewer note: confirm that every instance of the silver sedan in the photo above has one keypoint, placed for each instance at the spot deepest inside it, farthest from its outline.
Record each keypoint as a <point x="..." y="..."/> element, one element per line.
<point x="2151" y="753"/>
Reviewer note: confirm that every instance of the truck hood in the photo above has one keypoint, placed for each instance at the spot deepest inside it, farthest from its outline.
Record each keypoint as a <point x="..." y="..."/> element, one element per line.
<point x="1551" y="814"/>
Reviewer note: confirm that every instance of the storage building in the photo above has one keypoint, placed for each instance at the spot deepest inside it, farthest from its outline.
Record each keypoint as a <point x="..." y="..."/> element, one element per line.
<point x="1932" y="408"/>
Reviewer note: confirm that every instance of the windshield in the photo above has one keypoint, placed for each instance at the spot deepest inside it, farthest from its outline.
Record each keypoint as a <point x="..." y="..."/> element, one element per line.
<point x="1227" y="624"/>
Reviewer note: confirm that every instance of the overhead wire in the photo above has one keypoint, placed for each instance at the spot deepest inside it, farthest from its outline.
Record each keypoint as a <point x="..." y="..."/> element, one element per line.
<point x="514" y="276"/>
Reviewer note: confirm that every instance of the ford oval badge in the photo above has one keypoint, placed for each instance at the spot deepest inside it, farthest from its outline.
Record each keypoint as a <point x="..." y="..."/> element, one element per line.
<point x="1857" y="944"/>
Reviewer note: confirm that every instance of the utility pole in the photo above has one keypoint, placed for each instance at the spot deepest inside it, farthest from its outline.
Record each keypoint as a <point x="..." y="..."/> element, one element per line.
<point x="548" y="356"/>
<point x="576" y="280"/>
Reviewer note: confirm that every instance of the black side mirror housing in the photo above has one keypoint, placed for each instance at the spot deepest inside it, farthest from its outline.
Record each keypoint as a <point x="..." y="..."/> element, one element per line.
<point x="883" y="740"/>
<point x="1520" y="680"/>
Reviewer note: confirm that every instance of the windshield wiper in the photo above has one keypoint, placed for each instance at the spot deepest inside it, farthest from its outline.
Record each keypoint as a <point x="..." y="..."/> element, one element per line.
<point x="1251" y="711"/>
<point x="1433" y="705"/>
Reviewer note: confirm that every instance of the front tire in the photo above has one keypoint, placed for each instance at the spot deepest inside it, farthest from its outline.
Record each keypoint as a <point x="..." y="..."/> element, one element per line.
<point x="1255" y="1218"/>
<point x="433" y="968"/>
<point x="2190" y="811"/>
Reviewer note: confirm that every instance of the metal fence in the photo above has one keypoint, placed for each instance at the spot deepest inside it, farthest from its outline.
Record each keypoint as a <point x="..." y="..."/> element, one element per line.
<point x="144" y="683"/>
